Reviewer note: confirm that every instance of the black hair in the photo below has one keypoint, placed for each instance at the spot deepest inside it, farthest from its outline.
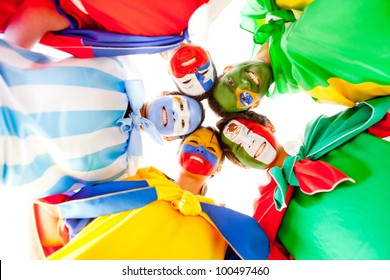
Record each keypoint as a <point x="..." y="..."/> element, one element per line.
<point x="248" y="115"/>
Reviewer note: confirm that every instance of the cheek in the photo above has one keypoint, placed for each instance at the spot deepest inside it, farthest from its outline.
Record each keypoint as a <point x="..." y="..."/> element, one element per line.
<point x="249" y="161"/>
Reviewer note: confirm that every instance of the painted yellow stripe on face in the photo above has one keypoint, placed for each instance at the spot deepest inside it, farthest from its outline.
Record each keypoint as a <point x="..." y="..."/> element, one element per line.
<point x="344" y="93"/>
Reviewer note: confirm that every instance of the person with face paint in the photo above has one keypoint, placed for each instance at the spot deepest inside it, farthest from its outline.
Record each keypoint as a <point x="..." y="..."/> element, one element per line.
<point x="325" y="202"/>
<point x="150" y="216"/>
<point x="309" y="50"/>
<point x="174" y="115"/>
<point x="71" y="121"/>
<point x="241" y="86"/>
<point x="192" y="70"/>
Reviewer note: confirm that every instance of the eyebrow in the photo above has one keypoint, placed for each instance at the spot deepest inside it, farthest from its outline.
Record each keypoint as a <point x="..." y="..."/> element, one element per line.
<point x="212" y="136"/>
<point x="216" y="145"/>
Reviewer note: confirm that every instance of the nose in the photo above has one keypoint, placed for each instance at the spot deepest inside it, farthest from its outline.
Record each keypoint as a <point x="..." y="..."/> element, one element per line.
<point x="244" y="84"/>
<point x="174" y="115"/>
<point x="200" y="149"/>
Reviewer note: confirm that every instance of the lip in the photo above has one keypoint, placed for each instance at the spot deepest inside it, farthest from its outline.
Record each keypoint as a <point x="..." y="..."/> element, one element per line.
<point x="254" y="78"/>
<point x="188" y="62"/>
<point x="260" y="150"/>
<point x="196" y="158"/>
<point x="164" y="116"/>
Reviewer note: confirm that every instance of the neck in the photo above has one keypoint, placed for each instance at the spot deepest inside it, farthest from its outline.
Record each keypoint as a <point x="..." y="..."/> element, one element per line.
<point x="190" y="182"/>
<point x="280" y="158"/>
<point x="143" y="110"/>
<point x="263" y="54"/>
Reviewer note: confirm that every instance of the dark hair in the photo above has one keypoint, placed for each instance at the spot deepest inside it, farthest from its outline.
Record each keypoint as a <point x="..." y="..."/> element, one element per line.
<point x="201" y="118"/>
<point x="248" y="115"/>
<point x="204" y="95"/>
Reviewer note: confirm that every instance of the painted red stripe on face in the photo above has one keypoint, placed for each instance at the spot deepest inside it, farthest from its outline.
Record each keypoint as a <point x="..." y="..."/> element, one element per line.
<point x="259" y="130"/>
<point x="195" y="166"/>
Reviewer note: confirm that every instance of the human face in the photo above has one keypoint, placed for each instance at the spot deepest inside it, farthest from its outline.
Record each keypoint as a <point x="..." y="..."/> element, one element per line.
<point x="174" y="115"/>
<point x="253" y="144"/>
<point x="243" y="85"/>
<point x="200" y="152"/>
<point x="192" y="70"/>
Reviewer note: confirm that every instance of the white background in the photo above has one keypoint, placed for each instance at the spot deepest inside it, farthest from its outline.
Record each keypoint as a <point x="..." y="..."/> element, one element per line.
<point x="233" y="186"/>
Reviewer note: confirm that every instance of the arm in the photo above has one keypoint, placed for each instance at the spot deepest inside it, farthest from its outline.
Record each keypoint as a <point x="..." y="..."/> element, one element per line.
<point x="32" y="20"/>
<point x="263" y="54"/>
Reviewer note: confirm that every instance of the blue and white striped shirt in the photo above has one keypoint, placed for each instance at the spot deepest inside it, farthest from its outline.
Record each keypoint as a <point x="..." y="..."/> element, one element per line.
<point x="58" y="121"/>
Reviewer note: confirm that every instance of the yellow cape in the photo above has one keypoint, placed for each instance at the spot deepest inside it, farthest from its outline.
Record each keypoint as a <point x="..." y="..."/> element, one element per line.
<point x="172" y="227"/>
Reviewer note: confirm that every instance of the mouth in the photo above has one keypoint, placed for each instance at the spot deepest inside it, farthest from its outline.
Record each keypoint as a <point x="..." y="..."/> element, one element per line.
<point x="254" y="78"/>
<point x="260" y="150"/>
<point x="164" y="116"/>
<point x="197" y="159"/>
<point x="188" y="62"/>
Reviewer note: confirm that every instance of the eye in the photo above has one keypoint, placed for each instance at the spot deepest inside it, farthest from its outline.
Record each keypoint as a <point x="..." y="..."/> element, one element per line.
<point x="211" y="149"/>
<point x="230" y="81"/>
<point x="181" y="106"/>
<point x="193" y="141"/>
<point x="238" y="147"/>
<point x="249" y="130"/>
<point x="186" y="82"/>
<point x="183" y="123"/>
<point x="204" y="72"/>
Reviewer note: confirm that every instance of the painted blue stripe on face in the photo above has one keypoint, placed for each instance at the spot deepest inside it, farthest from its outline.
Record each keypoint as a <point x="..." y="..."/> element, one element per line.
<point x="54" y="75"/>
<point x="21" y="174"/>
<point x="56" y="124"/>
<point x="201" y="78"/>
<point x="155" y="114"/>
<point x="201" y="151"/>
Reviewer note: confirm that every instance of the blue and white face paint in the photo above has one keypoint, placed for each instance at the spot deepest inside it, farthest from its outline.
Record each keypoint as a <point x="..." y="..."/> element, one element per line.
<point x="195" y="84"/>
<point x="175" y="115"/>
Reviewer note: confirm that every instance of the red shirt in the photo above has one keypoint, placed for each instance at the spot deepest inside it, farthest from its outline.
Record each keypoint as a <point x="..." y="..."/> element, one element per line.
<point x="138" y="17"/>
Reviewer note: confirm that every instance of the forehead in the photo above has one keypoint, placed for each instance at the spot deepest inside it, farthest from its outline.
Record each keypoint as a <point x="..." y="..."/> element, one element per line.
<point x="204" y="135"/>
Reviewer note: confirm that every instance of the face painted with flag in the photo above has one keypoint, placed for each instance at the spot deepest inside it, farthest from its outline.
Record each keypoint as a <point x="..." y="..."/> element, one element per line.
<point x="243" y="85"/>
<point x="192" y="70"/>
<point x="175" y="115"/>
<point x="252" y="144"/>
<point x="200" y="152"/>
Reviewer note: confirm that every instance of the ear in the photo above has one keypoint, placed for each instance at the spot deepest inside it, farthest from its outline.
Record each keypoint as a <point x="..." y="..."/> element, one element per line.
<point x="270" y="126"/>
<point x="227" y="68"/>
<point x="170" y="138"/>
<point x="218" y="169"/>
<point x="164" y="54"/>
<point x="256" y="104"/>
<point x="240" y="164"/>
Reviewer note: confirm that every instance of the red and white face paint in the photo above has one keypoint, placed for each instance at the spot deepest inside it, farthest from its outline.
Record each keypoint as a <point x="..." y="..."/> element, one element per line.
<point x="252" y="143"/>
